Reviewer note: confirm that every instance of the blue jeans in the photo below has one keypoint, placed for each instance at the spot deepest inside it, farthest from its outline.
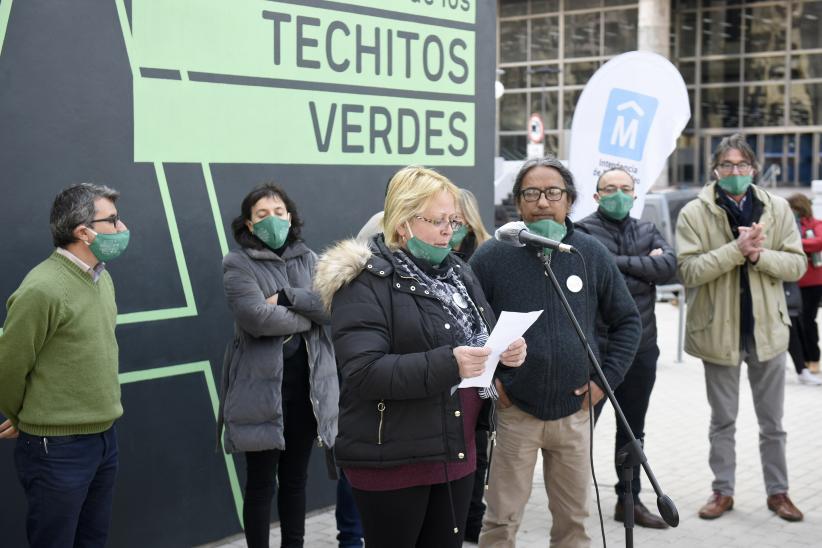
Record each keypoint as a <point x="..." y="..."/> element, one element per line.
<point x="69" y="486"/>
<point x="348" y="518"/>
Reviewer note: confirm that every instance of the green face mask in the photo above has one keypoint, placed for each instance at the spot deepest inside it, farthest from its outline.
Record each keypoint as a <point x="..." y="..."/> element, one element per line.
<point x="458" y="236"/>
<point x="425" y="251"/>
<point x="106" y="247"/>
<point x="272" y="231"/>
<point x="735" y="185"/>
<point x="617" y="205"/>
<point x="549" y="229"/>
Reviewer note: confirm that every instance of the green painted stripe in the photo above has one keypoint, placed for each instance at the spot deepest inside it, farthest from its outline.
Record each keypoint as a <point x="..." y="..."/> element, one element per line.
<point x="5" y="13"/>
<point x="167" y="313"/>
<point x="175" y="237"/>
<point x="163" y="372"/>
<point x="203" y="367"/>
<point x="156" y="315"/>
<point x="229" y="460"/>
<point x="215" y="208"/>
<point x="127" y="40"/>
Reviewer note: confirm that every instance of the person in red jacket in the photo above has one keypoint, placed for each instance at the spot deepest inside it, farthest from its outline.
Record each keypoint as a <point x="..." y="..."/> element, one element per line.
<point x="810" y="285"/>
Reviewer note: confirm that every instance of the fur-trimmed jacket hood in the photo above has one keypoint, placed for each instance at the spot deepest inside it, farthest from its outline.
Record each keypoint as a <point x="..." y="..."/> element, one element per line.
<point x="339" y="265"/>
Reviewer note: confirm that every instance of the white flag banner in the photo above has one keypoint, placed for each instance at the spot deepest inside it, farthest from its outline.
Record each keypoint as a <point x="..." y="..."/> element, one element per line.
<point x="629" y="115"/>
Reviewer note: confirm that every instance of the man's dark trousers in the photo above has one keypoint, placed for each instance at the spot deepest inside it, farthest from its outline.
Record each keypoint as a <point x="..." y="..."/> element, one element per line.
<point x="633" y="396"/>
<point x="69" y="485"/>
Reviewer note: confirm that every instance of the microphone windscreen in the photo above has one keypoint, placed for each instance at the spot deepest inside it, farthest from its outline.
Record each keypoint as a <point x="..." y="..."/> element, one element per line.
<point x="509" y="233"/>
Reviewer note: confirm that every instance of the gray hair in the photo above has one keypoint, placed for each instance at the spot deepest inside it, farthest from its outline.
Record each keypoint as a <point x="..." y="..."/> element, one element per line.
<point x="74" y="206"/>
<point x="734" y="142"/>
<point x="547" y="161"/>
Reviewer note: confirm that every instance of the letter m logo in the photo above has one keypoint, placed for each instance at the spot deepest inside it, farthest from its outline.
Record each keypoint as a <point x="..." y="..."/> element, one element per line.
<point x="626" y="123"/>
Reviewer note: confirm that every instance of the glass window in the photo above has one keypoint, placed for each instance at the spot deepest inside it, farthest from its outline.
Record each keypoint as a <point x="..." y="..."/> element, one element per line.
<point x="687" y="35"/>
<point x="582" y="4"/>
<point x="790" y="158"/>
<point x="552" y="144"/>
<point x="774" y="145"/>
<point x="513" y="41"/>
<point x="582" y="35"/>
<point x="620" y="33"/>
<point x="543" y="6"/>
<point x="544" y="38"/>
<point x="513" y="114"/>
<point x="807" y="19"/>
<point x="806" y="104"/>
<point x="720" y="107"/>
<point x="513" y="147"/>
<point x="805" y="158"/>
<point x="685" y="159"/>
<point x="513" y="7"/>
<point x="688" y="71"/>
<point x="569" y="101"/>
<point x="765" y="68"/>
<point x="765" y="28"/>
<point x="686" y="4"/>
<point x="720" y="31"/>
<point x="513" y="77"/>
<point x="547" y="104"/>
<point x="764" y="105"/>
<point x="720" y="3"/>
<point x="806" y="66"/>
<point x="721" y="71"/>
<point x="544" y="75"/>
<point x="619" y="2"/>
<point x="577" y="74"/>
<point x="819" y="157"/>
<point x="691" y="103"/>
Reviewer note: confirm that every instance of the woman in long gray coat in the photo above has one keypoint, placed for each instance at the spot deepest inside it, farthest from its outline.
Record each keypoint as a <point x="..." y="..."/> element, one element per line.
<point x="279" y="391"/>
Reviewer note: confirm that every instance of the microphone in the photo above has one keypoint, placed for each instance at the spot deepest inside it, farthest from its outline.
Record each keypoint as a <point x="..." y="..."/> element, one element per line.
<point x="517" y="234"/>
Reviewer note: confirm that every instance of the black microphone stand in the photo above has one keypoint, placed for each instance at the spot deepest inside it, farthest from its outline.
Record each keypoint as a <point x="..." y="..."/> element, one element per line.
<point x="631" y="455"/>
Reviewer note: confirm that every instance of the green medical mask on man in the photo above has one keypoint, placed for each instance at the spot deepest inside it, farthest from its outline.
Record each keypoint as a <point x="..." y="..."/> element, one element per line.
<point x="617" y="205"/>
<point x="550" y="229"/>
<point x="735" y="185"/>
<point x="106" y="247"/>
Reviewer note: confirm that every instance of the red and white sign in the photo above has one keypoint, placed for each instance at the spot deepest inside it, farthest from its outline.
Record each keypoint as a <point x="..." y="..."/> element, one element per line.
<point x="536" y="129"/>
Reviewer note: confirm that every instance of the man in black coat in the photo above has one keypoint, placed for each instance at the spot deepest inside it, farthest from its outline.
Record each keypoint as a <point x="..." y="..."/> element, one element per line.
<point x="543" y="406"/>
<point x="645" y="259"/>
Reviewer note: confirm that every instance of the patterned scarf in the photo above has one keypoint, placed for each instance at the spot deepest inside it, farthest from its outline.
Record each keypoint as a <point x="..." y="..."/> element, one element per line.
<point x="449" y="290"/>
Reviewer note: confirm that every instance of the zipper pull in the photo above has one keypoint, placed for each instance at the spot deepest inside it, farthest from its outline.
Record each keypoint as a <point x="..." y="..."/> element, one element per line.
<point x="381" y="409"/>
<point x="46" y="445"/>
<point x="319" y="441"/>
<point x="494" y="437"/>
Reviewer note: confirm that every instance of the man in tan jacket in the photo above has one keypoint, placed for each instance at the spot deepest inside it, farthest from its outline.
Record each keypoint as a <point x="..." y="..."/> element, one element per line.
<point x="736" y="244"/>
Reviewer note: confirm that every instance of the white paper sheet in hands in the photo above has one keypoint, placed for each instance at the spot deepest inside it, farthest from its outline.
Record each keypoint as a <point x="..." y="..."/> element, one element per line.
<point x="510" y="326"/>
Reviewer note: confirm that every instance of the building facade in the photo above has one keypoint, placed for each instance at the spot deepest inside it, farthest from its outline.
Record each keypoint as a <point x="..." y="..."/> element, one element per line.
<point x="750" y="66"/>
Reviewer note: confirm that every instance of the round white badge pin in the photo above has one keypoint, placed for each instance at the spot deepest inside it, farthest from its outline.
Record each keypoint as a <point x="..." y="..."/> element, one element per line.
<point x="574" y="284"/>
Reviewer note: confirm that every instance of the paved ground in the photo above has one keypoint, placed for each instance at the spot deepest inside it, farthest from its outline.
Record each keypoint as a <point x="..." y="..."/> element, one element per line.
<point x="677" y="448"/>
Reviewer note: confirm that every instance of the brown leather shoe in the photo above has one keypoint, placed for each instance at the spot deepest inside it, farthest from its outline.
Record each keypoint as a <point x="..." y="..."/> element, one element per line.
<point x="642" y="516"/>
<point x="783" y="507"/>
<point x="717" y="505"/>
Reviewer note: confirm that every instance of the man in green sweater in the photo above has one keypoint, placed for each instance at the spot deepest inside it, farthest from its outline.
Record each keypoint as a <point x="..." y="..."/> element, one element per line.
<point x="58" y="373"/>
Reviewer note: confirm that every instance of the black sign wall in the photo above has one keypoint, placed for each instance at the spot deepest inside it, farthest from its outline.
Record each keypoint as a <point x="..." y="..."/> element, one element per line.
<point x="87" y="93"/>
